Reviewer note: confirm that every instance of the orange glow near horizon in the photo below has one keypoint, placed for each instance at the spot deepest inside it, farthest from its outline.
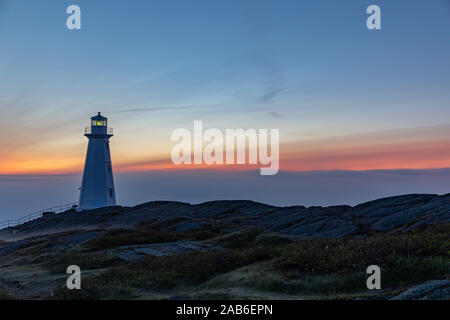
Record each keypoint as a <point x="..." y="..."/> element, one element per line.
<point x="48" y="166"/>
<point x="342" y="162"/>
<point x="354" y="153"/>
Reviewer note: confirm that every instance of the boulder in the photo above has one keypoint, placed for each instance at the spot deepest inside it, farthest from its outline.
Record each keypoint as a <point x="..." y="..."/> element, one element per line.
<point x="370" y="212"/>
<point x="431" y="290"/>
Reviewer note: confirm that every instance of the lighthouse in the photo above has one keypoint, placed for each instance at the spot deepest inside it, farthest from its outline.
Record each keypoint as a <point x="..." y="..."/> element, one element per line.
<point x="97" y="188"/>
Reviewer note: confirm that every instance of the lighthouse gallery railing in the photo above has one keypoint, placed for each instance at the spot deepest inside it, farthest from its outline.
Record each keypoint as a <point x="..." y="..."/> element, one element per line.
<point x="36" y="215"/>
<point x="88" y="130"/>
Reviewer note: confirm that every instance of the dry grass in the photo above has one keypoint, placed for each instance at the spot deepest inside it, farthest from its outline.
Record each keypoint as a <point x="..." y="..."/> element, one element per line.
<point x="314" y="266"/>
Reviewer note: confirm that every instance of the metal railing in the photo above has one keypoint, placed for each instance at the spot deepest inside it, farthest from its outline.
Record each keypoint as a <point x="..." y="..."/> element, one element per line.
<point x="36" y="215"/>
<point x="88" y="130"/>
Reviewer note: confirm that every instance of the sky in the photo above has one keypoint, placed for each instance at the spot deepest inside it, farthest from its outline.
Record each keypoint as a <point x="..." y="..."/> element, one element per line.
<point x="346" y="99"/>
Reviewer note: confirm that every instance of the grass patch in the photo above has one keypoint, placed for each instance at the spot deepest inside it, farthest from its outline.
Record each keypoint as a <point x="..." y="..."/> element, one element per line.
<point x="312" y="266"/>
<point x="316" y="285"/>
<point x="161" y="273"/>
<point x="415" y="270"/>
<point x="4" y="295"/>
<point x="124" y="237"/>
<point x="404" y="259"/>
<point x="239" y="240"/>
<point x="58" y="263"/>
<point x="322" y="256"/>
<point x="94" y="289"/>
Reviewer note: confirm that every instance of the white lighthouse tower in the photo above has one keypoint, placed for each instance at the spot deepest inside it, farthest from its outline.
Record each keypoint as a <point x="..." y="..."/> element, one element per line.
<point x="97" y="188"/>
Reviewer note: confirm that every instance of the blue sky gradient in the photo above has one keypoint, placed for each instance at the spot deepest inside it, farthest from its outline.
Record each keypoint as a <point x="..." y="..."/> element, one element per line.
<point x="312" y="62"/>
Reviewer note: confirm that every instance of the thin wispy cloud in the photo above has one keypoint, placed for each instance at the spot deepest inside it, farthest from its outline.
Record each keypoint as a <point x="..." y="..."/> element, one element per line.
<point x="270" y="95"/>
<point x="152" y="109"/>
<point x="262" y="56"/>
<point x="275" y="115"/>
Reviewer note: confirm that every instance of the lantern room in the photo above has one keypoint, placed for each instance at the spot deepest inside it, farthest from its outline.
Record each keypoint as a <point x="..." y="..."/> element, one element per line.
<point x="99" y="121"/>
<point x="99" y="126"/>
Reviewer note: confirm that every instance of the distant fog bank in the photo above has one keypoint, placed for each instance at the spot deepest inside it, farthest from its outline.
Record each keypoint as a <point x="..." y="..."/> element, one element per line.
<point x="20" y="195"/>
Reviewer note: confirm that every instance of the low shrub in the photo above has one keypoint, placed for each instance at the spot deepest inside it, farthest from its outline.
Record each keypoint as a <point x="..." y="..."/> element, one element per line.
<point x="4" y="295"/>
<point x="240" y="239"/>
<point x="322" y="256"/>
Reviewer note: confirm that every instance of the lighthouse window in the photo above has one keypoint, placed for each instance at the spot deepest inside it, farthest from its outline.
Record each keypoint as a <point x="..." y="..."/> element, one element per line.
<point x="110" y="193"/>
<point x="99" y="123"/>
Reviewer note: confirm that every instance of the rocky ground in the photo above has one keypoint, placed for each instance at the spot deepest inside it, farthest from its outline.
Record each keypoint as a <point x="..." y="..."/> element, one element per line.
<point x="234" y="249"/>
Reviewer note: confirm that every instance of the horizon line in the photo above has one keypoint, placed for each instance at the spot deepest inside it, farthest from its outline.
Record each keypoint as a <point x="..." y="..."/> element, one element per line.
<point x="220" y="170"/>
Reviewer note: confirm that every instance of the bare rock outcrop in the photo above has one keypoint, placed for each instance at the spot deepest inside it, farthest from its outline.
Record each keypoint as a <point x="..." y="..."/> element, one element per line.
<point x="431" y="290"/>
<point x="400" y="213"/>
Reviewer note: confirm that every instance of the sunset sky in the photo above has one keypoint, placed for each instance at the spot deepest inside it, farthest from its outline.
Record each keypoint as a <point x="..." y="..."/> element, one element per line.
<point x="344" y="98"/>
